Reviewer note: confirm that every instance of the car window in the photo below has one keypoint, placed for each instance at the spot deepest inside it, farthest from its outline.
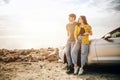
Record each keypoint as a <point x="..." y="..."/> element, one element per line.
<point x="116" y="34"/>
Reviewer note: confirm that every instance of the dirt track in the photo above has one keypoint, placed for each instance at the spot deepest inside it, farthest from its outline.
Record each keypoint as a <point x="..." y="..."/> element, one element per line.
<point x="45" y="70"/>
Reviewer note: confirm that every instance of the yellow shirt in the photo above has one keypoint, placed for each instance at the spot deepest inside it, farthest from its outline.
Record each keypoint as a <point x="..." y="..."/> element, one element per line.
<point x="85" y="38"/>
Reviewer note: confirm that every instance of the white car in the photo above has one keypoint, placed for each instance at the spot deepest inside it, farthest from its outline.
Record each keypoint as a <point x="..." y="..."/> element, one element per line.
<point x="104" y="50"/>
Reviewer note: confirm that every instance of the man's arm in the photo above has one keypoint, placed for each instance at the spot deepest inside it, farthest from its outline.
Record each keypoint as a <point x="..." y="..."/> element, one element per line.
<point x="67" y="30"/>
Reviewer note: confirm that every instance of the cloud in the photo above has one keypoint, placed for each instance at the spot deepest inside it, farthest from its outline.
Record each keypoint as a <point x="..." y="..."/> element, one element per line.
<point x="116" y="5"/>
<point x="107" y="5"/>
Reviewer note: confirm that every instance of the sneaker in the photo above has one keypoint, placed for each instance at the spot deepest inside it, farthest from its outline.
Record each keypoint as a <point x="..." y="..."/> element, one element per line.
<point x="76" y="70"/>
<point x="80" y="71"/>
<point x="70" y="70"/>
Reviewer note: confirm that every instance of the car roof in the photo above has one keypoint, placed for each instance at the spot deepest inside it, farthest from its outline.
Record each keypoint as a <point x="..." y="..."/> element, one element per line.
<point x="115" y="30"/>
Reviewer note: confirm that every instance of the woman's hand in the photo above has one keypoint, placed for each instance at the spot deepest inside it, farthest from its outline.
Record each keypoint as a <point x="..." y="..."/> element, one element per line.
<point x="86" y="34"/>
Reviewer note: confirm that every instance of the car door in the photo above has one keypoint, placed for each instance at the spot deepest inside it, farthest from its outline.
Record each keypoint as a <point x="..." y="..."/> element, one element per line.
<point x="108" y="50"/>
<point x="92" y="56"/>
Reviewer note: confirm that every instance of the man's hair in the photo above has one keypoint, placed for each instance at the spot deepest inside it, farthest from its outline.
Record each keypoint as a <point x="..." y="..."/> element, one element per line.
<point x="72" y="15"/>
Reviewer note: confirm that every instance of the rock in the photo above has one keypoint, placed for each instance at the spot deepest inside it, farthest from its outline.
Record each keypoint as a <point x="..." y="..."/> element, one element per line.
<point x="1" y="52"/>
<point x="52" y="58"/>
<point x="25" y="52"/>
<point x="32" y="55"/>
<point x="34" y="59"/>
<point x="18" y="60"/>
<point x="50" y="49"/>
<point x="44" y="54"/>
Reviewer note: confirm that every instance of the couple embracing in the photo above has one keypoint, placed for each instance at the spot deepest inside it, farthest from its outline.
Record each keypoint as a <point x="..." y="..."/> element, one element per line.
<point x="78" y="38"/>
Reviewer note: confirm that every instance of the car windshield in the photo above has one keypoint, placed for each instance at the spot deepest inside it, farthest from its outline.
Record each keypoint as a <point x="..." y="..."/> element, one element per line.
<point x="115" y="33"/>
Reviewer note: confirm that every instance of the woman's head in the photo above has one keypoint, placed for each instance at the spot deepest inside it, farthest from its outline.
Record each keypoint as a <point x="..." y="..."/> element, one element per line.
<point x="82" y="20"/>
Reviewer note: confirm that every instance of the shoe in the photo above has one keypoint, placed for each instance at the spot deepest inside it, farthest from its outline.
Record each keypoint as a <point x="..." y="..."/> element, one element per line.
<point x="70" y="70"/>
<point x="76" y="70"/>
<point x="80" y="71"/>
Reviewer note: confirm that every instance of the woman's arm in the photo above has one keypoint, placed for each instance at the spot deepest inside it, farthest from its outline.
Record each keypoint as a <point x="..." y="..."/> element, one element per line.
<point x="89" y="32"/>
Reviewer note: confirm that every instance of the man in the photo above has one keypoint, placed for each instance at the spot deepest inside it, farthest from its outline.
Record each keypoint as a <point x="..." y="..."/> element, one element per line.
<point x="70" y="27"/>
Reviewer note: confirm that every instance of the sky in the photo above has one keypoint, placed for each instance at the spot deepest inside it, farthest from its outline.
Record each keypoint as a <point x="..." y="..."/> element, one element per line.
<point x="42" y="23"/>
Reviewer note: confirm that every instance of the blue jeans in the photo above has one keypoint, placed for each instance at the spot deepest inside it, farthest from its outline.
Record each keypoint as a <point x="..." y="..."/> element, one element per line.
<point x="75" y="50"/>
<point x="69" y="47"/>
<point x="84" y="53"/>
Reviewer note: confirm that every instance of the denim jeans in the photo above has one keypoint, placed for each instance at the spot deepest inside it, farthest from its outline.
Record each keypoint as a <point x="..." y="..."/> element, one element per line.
<point x="84" y="53"/>
<point x="75" y="50"/>
<point x="69" y="47"/>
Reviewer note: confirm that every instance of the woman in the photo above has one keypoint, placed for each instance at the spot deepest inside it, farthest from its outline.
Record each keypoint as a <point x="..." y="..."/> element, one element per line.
<point x="81" y="34"/>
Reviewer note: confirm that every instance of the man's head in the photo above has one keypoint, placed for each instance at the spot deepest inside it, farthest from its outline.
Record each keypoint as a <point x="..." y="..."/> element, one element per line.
<point x="72" y="17"/>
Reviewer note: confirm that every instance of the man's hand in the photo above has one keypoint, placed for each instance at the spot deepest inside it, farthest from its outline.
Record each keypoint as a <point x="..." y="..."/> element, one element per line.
<point x="76" y="41"/>
<point x="68" y="37"/>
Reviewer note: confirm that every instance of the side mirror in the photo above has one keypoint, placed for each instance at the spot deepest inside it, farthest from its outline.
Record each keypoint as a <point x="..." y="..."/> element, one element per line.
<point x="107" y="36"/>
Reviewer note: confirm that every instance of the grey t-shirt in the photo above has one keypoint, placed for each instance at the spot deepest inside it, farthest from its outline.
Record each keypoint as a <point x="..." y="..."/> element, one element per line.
<point x="70" y="30"/>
